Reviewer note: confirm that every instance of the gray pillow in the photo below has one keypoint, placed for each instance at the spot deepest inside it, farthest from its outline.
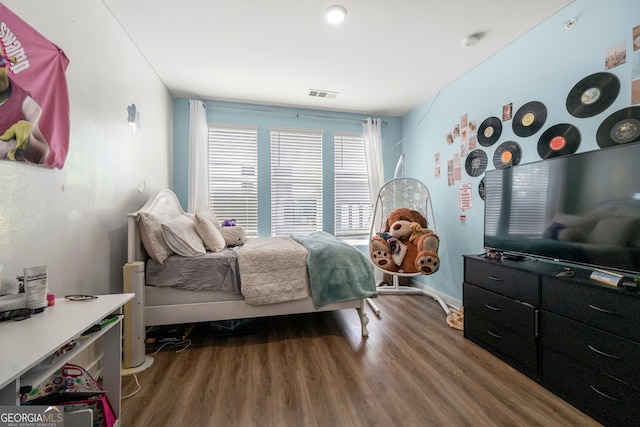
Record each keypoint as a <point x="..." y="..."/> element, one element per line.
<point x="150" y="227"/>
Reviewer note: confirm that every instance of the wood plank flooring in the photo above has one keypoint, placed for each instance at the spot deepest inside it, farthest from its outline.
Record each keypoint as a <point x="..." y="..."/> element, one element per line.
<point x="316" y="370"/>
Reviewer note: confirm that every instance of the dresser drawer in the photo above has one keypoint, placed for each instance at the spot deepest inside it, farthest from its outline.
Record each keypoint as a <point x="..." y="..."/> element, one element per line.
<point x="506" y="341"/>
<point x="517" y="284"/>
<point x="609" y="310"/>
<point x="602" y="392"/>
<point x="597" y="349"/>
<point x="517" y="316"/>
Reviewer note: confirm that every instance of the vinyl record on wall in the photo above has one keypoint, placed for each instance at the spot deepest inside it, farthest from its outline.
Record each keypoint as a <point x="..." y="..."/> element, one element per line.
<point x="507" y="154"/>
<point x="529" y="118"/>
<point x="476" y="163"/>
<point x="621" y="127"/>
<point x="593" y="94"/>
<point x="489" y="131"/>
<point x="559" y="140"/>
<point x="481" y="189"/>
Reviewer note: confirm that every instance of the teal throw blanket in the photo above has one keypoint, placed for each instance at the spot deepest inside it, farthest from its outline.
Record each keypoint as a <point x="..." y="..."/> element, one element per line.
<point x="337" y="270"/>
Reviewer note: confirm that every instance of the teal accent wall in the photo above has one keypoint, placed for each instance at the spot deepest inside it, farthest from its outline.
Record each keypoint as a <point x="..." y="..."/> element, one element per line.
<point x="265" y="117"/>
<point x="543" y="65"/>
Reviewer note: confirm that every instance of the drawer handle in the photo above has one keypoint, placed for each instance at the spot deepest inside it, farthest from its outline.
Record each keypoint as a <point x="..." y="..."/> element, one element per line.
<point x="602" y="310"/>
<point x="602" y="353"/>
<point x="493" y="334"/>
<point x="604" y="394"/>
<point x="490" y="307"/>
<point x="497" y="279"/>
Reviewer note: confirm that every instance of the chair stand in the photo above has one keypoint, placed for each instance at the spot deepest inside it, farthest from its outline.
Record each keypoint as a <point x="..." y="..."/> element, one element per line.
<point x="397" y="289"/>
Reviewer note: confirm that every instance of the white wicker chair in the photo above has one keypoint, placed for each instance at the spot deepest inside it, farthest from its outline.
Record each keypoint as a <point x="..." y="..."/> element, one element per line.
<point x="395" y="194"/>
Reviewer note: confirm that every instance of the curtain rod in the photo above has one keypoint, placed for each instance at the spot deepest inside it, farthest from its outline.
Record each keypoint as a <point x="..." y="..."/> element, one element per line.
<point x="266" y="110"/>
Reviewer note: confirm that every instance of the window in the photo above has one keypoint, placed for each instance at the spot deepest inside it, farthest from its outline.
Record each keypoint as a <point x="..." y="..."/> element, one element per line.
<point x="233" y="174"/>
<point x="352" y="197"/>
<point x="296" y="181"/>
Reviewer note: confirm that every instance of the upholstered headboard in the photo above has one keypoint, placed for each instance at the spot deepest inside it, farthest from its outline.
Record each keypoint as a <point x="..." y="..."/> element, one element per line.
<point x="163" y="203"/>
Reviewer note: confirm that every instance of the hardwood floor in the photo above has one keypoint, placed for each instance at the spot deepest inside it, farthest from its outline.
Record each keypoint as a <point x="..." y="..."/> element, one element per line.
<point x="316" y="370"/>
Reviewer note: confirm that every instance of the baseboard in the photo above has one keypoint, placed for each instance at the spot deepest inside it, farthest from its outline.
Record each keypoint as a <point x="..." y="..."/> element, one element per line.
<point x="452" y="302"/>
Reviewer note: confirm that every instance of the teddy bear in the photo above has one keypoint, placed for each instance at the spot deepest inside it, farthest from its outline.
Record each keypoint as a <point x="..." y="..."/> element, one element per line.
<point x="233" y="234"/>
<point x="406" y="245"/>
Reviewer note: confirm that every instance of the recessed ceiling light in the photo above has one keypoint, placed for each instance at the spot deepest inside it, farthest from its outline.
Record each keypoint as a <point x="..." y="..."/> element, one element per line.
<point x="336" y="14"/>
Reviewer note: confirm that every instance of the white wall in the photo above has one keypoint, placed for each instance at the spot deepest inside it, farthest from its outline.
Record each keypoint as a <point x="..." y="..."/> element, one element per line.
<point x="543" y="65"/>
<point x="73" y="220"/>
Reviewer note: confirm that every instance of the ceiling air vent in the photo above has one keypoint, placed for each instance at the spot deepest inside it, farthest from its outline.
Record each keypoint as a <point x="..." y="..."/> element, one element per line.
<point x="316" y="93"/>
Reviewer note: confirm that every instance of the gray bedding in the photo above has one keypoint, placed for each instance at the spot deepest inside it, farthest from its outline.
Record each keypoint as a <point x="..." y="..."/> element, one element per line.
<point x="214" y="271"/>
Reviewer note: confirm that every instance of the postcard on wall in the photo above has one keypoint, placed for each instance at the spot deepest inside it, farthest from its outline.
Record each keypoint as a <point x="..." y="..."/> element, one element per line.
<point x="636" y="37"/>
<point x="449" y="138"/>
<point x="473" y="142"/>
<point x="635" y="66"/>
<point x="635" y="92"/>
<point x="507" y="111"/>
<point x="473" y="128"/>
<point x="465" y="196"/>
<point x="464" y="121"/>
<point x="616" y="55"/>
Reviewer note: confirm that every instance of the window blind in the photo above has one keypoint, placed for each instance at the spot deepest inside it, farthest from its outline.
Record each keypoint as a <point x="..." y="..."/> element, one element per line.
<point x="351" y="186"/>
<point x="296" y="181"/>
<point x="233" y="174"/>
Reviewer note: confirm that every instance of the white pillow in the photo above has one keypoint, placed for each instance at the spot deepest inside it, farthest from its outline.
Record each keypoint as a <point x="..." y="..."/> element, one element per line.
<point x="151" y="236"/>
<point x="209" y="233"/>
<point x="206" y="213"/>
<point x="181" y="236"/>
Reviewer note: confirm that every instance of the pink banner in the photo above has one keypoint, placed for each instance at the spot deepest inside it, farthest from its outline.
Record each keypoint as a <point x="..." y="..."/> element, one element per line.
<point x="34" y="99"/>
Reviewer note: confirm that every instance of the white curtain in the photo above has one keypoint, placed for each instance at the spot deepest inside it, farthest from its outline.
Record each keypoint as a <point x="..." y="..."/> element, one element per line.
<point x="198" y="153"/>
<point x="372" y="129"/>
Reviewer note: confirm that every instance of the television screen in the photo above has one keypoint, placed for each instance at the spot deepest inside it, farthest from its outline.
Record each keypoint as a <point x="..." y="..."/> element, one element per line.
<point x="583" y="208"/>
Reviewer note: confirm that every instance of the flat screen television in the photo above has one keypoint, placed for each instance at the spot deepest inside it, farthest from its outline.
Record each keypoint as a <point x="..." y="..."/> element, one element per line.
<point x="582" y="209"/>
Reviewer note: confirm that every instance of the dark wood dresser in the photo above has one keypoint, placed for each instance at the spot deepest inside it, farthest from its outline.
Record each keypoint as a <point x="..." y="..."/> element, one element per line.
<point x="578" y="337"/>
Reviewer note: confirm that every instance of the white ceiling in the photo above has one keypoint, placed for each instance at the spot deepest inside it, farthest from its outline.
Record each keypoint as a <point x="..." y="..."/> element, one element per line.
<point x="386" y="58"/>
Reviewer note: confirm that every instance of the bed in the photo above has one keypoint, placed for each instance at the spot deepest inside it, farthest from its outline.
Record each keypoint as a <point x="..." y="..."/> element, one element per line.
<point x="192" y="302"/>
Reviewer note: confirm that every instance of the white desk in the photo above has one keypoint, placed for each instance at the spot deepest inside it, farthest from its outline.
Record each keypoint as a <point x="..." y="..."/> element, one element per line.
<point x="26" y="344"/>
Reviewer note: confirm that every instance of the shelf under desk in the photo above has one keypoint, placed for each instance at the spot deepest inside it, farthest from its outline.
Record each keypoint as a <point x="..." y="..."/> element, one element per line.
<point x="28" y="343"/>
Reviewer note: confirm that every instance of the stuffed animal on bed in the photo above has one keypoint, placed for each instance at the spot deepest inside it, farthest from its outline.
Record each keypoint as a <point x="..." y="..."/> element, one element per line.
<point x="406" y="245"/>
<point x="232" y="233"/>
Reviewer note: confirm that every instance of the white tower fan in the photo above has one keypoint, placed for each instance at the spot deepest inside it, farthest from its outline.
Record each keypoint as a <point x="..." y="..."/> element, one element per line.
<point x="134" y="359"/>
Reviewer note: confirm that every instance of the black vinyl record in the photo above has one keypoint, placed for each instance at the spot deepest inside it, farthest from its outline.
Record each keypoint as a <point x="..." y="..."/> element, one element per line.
<point x="489" y="131"/>
<point x="559" y="140"/>
<point x="621" y="127"/>
<point x="476" y="163"/>
<point x="593" y="94"/>
<point x="507" y="154"/>
<point x="481" y="189"/>
<point x="529" y="118"/>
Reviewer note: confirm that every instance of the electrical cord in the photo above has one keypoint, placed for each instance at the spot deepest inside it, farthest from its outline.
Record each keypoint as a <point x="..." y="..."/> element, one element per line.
<point x="135" y="376"/>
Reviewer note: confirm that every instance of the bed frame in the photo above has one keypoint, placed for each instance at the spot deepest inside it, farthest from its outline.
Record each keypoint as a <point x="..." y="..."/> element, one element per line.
<point x="167" y="202"/>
